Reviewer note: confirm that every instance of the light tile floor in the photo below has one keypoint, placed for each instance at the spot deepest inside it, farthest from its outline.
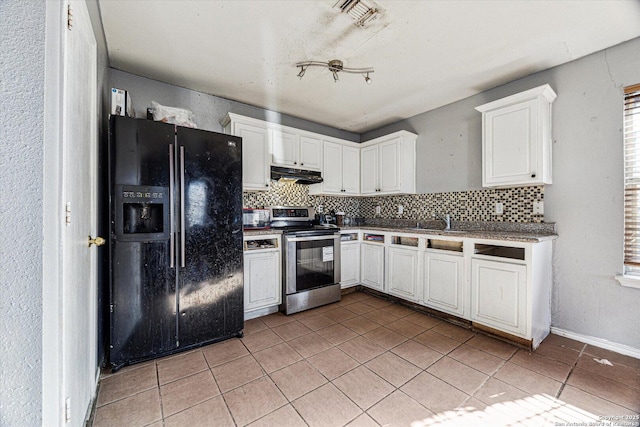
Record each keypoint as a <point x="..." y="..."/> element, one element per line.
<point x="366" y="362"/>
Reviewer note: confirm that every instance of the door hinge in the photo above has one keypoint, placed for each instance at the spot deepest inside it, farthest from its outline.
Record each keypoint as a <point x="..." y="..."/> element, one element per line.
<point x="67" y="213"/>
<point x="111" y="308"/>
<point x="67" y="409"/>
<point x="69" y="17"/>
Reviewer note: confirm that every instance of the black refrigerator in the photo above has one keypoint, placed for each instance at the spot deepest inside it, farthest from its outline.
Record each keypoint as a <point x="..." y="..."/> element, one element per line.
<point x="175" y="239"/>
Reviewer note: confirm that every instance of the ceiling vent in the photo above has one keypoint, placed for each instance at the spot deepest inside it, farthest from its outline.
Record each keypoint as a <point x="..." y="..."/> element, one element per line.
<point x="362" y="12"/>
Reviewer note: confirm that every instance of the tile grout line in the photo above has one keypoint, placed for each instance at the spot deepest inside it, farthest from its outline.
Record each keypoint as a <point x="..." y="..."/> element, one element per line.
<point x="564" y="383"/>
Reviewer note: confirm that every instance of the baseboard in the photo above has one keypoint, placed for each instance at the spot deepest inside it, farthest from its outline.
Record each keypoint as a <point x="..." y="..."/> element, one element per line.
<point x="598" y="342"/>
<point x="91" y="410"/>
<point x="259" y="312"/>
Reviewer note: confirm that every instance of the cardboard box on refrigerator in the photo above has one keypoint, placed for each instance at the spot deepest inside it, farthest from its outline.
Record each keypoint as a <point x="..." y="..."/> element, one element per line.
<point x="121" y="103"/>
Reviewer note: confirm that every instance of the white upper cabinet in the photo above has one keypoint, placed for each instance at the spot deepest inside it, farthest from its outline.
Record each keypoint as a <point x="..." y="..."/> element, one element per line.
<point x="332" y="173"/>
<point x="389" y="171"/>
<point x="284" y="148"/>
<point x="295" y="150"/>
<point x="369" y="162"/>
<point x="310" y="156"/>
<point x="388" y="164"/>
<point x="341" y="170"/>
<point x="350" y="170"/>
<point x="385" y="165"/>
<point x="516" y="139"/>
<point x="255" y="152"/>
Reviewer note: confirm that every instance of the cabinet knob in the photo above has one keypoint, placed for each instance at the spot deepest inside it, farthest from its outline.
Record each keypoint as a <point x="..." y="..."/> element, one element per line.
<point x="533" y="175"/>
<point x="301" y="164"/>
<point x="295" y="163"/>
<point x="266" y="185"/>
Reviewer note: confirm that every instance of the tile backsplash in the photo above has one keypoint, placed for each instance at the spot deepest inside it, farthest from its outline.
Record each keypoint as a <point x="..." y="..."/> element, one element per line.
<point x="475" y="205"/>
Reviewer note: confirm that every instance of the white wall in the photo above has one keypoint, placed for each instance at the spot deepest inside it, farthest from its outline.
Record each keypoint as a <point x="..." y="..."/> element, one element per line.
<point x="586" y="197"/>
<point x="22" y="71"/>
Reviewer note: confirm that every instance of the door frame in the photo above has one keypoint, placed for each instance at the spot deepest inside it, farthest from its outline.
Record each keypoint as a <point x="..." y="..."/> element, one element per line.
<point x="52" y="356"/>
<point x="52" y="393"/>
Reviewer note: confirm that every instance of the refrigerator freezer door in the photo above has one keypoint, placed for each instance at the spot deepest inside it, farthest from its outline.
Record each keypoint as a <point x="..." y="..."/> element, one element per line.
<point x="143" y="286"/>
<point x="210" y="284"/>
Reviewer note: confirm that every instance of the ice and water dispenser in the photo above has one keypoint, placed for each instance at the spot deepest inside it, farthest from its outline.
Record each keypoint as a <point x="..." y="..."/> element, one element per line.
<point x="142" y="213"/>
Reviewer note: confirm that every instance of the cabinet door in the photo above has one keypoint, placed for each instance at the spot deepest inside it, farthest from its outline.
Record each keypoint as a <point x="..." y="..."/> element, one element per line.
<point x="349" y="264"/>
<point x="443" y="282"/>
<point x="262" y="285"/>
<point x="498" y="295"/>
<point x="402" y="267"/>
<point x="369" y="170"/>
<point x="389" y="170"/>
<point x="284" y="148"/>
<point x="332" y="175"/>
<point x="310" y="153"/>
<point x="372" y="265"/>
<point x="509" y="145"/>
<point x="351" y="170"/>
<point x="255" y="156"/>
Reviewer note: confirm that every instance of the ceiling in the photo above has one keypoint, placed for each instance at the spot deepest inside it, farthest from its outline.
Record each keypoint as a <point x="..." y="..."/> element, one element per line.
<point x="426" y="54"/>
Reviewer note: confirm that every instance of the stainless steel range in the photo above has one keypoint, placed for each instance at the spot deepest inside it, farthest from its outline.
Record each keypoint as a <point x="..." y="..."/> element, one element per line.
<point x="311" y="259"/>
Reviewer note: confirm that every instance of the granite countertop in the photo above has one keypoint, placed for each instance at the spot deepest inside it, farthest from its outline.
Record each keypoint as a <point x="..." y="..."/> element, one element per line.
<point x="515" y="232"/>
<point x="508" y="231"/>
<point x="513" y="236"/>
<point x="261" y="232"/>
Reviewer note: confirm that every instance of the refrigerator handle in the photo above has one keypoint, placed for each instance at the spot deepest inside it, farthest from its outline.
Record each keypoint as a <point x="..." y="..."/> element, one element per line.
<point x="182" y="237"/>
<point x="172" y="245"/>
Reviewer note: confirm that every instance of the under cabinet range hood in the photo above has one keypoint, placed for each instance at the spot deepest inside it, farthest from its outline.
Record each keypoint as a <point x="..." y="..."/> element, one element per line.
<point x="299" y="176"/>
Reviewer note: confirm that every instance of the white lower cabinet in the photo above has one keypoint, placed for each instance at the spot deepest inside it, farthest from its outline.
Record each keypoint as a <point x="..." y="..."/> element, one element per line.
<point x="402" y="270"/>
<point x="349" y="264"/>
<point x="262" y="277"/>
<point x="372" y="265"/>
<point x="444" y="282"/>
<point x="498" y="285"/>
<point x="499" y="295"/>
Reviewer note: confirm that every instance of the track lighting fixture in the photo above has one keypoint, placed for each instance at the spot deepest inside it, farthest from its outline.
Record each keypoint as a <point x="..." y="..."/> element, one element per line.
<point x="335" y="66"/>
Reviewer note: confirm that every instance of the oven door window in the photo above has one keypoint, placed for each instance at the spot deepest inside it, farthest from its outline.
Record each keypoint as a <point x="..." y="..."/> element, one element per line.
<point x="314" y="264"/>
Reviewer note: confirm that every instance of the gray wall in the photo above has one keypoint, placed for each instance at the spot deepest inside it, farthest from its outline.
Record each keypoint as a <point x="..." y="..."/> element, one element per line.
<point x="208" y="110"/>
<point x="586" y="197"/>
<point x="22" y="70"/>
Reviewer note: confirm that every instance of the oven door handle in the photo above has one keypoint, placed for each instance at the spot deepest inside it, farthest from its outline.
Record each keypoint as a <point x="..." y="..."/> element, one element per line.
<point x="306" y="239"/>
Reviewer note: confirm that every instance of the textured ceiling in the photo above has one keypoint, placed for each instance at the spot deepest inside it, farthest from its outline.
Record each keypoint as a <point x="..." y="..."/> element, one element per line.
<point x="425" y="53"/>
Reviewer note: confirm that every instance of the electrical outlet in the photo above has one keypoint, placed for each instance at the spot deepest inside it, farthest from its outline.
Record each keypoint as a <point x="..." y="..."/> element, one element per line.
<point x="320" y="209"/>
<point x="400" y="209"/>
<point x="538" y="207"/>
<point x="499" y="208"/>
<point x="378" y="210"/>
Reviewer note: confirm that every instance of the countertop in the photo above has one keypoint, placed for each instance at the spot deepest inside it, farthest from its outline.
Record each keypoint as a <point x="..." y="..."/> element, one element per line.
<point x="513" y="236"/>
<point x="261" y="232"/>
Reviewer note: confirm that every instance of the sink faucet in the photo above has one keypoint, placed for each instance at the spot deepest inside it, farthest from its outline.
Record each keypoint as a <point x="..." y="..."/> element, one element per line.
<point x="446" y="218"/>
